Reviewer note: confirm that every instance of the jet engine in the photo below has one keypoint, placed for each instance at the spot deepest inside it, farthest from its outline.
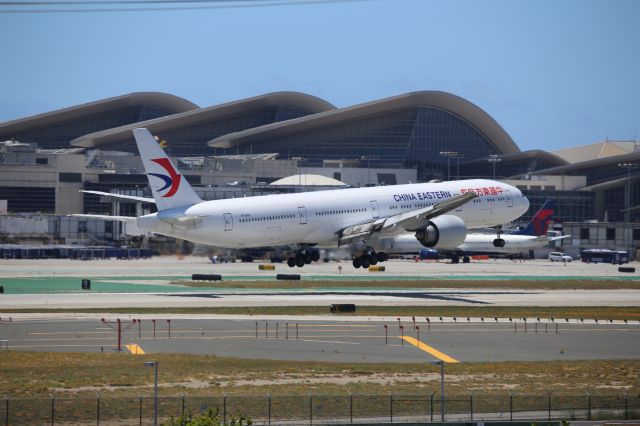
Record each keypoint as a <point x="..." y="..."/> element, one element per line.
<point x="447" y="231"/>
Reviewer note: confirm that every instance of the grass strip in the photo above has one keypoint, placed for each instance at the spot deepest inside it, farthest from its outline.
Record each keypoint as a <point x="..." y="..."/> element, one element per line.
<point x="40" y="374"/>
<point x="631" y="313"/>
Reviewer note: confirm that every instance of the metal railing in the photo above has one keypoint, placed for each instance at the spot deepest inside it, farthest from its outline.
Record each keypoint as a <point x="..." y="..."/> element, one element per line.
<point x="312" y="409"/>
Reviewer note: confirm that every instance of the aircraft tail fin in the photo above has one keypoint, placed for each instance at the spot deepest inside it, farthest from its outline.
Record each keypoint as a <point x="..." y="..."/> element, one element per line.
<point x="169" y="188"/>
<point x="540" y="222"/>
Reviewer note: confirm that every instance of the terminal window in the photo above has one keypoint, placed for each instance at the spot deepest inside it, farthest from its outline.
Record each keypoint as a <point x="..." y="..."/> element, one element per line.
<point x="611" y="233"/>
<point x="584" y="233"/>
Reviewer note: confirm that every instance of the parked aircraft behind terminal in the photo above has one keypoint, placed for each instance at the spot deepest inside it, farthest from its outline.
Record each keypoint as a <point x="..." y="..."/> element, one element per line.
<point x="435" y="214"/>
<point x="531" y="237"/>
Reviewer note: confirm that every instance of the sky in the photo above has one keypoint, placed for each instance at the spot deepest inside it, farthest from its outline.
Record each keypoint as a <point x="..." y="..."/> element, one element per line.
<point x="553" y="74"/>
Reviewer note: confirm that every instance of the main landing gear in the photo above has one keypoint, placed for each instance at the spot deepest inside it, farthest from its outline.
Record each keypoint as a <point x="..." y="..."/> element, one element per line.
<point x="303" y="257"/>
<point x="371" y="258"/>
<point x="498" y="242"/>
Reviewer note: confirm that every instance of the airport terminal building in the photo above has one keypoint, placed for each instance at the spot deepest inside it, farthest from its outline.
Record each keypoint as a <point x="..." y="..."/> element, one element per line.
<point x="239" y="148"/>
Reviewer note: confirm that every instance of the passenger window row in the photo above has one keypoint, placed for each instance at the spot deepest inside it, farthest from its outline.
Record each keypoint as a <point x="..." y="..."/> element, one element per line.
<point x="330" y="212"/>
<point x="264" y="218"/>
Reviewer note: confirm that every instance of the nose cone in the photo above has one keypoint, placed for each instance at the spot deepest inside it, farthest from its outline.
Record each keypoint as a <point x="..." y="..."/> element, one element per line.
<point x="525" y="203"/>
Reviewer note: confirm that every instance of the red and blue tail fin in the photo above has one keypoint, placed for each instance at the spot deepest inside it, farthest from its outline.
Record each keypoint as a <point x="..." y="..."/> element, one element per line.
<point x="168" y="186"/>
<point x="540" y="222"/>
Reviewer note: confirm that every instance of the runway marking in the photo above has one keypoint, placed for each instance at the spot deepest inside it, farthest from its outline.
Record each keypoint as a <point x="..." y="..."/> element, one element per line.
<point x="328" y="341"/>
<point x="428" y="349"/>
<point x="135" y="349"/>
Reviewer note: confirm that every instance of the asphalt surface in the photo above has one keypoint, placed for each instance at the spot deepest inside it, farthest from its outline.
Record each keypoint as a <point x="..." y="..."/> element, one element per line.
<point x="355" y="340"/>
<point x="346" y="339"/>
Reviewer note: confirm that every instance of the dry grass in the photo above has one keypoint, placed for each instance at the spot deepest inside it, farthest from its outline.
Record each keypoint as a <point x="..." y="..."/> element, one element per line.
<point x="30" y="374"/>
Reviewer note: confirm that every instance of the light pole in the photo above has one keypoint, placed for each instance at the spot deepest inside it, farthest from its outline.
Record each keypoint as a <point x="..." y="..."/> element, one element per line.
<point x="441" y="364"/>
<point x="628" y="166"/>
<point x="449" y="155"/>
<point x="493" y="159"/>
<point x="154" y="364"/>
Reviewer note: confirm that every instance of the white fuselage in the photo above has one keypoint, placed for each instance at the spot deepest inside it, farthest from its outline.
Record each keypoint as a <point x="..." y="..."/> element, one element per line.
<point x="318" y="217"/>
<point x="474" y="243"/>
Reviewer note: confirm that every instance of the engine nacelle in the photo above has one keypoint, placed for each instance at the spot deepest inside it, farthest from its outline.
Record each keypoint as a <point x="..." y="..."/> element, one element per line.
<point x="447" y="231"/>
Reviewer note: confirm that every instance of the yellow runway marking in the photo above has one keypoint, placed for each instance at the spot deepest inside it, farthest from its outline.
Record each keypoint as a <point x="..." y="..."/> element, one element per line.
<point x="135" y="349"/>
<point x="428" y="349"/>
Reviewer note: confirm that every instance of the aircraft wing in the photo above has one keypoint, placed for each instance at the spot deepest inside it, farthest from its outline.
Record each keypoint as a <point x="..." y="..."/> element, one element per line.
<point x="544" y="238"/>
<point x="123" y="197"/>
<point x="402" y="222"/>
<point x="560" y="237"/>
<point x="107" y="217"/>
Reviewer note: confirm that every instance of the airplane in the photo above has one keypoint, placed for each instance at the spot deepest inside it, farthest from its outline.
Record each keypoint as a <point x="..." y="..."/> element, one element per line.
<point x="531" y="237"/>
<point x="436" y="214"/>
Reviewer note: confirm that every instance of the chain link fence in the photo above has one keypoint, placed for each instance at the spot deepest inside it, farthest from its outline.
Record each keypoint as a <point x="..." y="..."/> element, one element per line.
<point x="309" y="409"/>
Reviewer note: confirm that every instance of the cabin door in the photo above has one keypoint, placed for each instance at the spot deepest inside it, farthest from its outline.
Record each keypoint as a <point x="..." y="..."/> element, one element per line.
<point x="228" y="222"/>
<point x="302" y="211"/>
<point x="375" y="209"/>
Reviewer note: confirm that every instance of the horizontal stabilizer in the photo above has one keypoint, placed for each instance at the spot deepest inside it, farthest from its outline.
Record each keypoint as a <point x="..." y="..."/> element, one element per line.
<point x="131" y="219"/>
<point x="120" y="196"/>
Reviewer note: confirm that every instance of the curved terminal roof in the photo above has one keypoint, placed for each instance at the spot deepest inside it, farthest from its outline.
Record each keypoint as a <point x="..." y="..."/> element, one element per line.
<point x="158" y="125"/>
<point x="453" y="104"/>
<point x="534" y="154"/>
<point x="162" y="100"/>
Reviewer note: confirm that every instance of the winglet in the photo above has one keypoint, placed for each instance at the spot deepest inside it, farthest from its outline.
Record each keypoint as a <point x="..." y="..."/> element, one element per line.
<point x="168" y="186"/>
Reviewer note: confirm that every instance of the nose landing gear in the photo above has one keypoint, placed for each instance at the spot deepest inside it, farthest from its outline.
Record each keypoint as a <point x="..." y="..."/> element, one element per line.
<point x="498" y="242"/>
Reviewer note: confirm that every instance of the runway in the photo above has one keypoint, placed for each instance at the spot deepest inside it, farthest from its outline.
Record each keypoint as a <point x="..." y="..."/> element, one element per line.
<point x="152" y="283"/>
<point x="253" y="298"/>
<point x="323" y="339"/>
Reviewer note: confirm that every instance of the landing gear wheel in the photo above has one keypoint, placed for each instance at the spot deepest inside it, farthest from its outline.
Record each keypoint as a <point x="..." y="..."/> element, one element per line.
<point x="299" y="261"/>
<point x="308" y="258"/>
<point x="466" y="259"/>
<point x="382" y="257"/>
<point x="315" y="256"/>
<point x="455" y="259"/>
<point x="356" y="262"/>
<point x="365" y="262"/>
<point x="291" y="262"/>
<point x="373" y="259"/>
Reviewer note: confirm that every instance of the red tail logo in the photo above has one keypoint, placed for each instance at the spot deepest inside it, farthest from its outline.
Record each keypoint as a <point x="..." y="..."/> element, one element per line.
<point x="172" y="181"/>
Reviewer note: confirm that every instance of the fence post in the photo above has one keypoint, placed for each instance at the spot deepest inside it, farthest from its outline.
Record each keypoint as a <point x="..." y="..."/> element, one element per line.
<point x="310" y="409"/>
<point x="182" y="411"/>
<point x="471" y="405"/>
<point x="431" y="406"/>
<point x="350" y="407"/>
<point x="589" y="406"/>
<point x="53" y="410"/>
<point x="297" y="337"/>
<point x="6" y="411"/>
<point x="256" y="329"/>
<point x="286" y="331"/>
<point x="224" y="408"/>
<point x="549" y="405"/>
<point x="98" y="409"/>
<point x="269" y="408"/>
<point x="626" y="407"/>
<point x="391" y="406"/>
<point x="277" y="327"/>
<point x="510" y="406"/>
<point x="140" y="408"/>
